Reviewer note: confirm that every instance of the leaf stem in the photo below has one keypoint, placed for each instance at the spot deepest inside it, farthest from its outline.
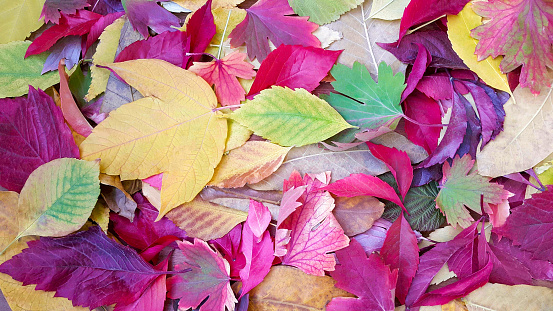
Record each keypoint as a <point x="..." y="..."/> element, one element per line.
<point x="201" y="54"/>
<point x="226" y="107"/>
<point x="423" y="124"/>
<point x="223" y="36"/>
<point x="425" y="24"/>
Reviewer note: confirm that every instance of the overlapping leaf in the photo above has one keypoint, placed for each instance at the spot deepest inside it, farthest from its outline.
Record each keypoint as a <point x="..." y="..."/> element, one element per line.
<point x="19" y="19"/>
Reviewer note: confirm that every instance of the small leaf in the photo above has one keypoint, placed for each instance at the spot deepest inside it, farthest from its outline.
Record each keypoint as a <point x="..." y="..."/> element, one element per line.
<point x="144" y="13"/>
<point x="357" y="215"/>
<point x="290" y="118"/>
<point x="398" y="163"/>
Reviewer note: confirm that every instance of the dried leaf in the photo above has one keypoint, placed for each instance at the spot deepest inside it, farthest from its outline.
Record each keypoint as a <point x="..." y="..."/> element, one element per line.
<point x="499" y="297"/>
<point x="357" y="215"/>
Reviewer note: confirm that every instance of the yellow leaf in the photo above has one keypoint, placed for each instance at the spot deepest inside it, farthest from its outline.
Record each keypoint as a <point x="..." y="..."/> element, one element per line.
<point x="105" y="53"/>
<point x="459" y="27"/>
<point x="19" y="297"/>
<point x="100" y="215"/>
<point x="454" y="305"/>
<point x="175" y="131"/>
<point x="237" y="135"/>
<point x="193" y="5"/>
<point x="19" y="18"/>
<point x="499" y="297"/>
<point x="250" y="163"/>
<point x="225" y="21"/>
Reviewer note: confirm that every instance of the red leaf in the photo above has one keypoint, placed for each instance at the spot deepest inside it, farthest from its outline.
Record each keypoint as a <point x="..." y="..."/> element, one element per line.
<point x="208" y="276"/>
<point x="33" y="133"/>
<point x="530" y="225"/>
<point x="520" y="30"/>
<point x="200" y="29"/>
<point x="426" y="111"/>
<point x="294" y="66"/>
<point x="422" y="62"/>
<point x="267" y="19"/>
<point x="222" y="73"/>
<point x="368" y="278"/>
<point x="311" y="231"/>
<point x="421" y="11"/>
<point x="400" y="251"/>
<point x="144" y="13"/>
<point x="69" y="108"/>
<point x="51" y="9"/>
<point x="77" y="24"/>
<point x="362" y="184"/>
<point x="78" y="265"/>
<point x="398" y="163"/>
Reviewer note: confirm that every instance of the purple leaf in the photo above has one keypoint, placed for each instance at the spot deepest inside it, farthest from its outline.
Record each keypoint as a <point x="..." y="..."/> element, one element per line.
<point x="51" y="9"/>
<point x="33" y="132"/>
<point x="106" y="6"/>
<point x="68" y="48"/>
<point x="373" y="239"/>
<point x="144" y="13"/>
<point x="419" y="67"/>
<point x="229" y="247"/>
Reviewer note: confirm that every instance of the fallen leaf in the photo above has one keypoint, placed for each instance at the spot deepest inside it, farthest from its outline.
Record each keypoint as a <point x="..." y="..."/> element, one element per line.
<point x="496" y="297"/>
<point x="238" y="135"/>
<point x="200" y="29"/>
<point x="100" y="25"/>
<point x="17" y="73"/>
<point x="287" y="288"/>
<point x="225" y="19"/>
<point x="357" y="214"/>
<point x="19" y="19"/>
<point x="71" y="112"/>
<point x="34" y="133"/>
<point x="352" y="274"/>
<point x="68" y="48"/>
<point x="290" y="118"/>
<point x="398" y="163"/>
<point x="193" y="5"/>
<point x="51" y="9"/>
<point x="153" y="297"/>
<point x="248" y="164"/>
<point x="144" y="13"/>
<point x="239" y="198"/>
<point x="458" y="31"/>
<point x="270" y="20"/>
<point x="388" y="9"/>
<point x="527" y="125"/>
<point x="100" y="216"/>
<point x="172" y="90"/>
<point x="208" y="276"/>
<point x="118" y="200"/>
<point x="323" y="12"/>
<point x="426" y="111"/>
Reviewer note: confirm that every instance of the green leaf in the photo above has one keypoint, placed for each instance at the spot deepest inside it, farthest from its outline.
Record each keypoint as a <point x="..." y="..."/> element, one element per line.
<point x="421" y="204"/>
<point x="290" y="117"/>
<point x="17" y="73"/>
<point x="323" y="11"/>
<point x="58" y="197"/>
<point x="461" y="188"/>
<point x="367" y="104"/>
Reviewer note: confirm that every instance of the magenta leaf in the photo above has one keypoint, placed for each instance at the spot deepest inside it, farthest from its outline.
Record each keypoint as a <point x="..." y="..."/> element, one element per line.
<point x="311" y="231"/>
<point x="144" y="13"/>
<point x="78" y="265"/>
<point x="530" y="225"/>
<point x="362" y="184"/>
<point x="229" y="246"/>
<point x="259" y="258"/>
<point x="208" y="277"/>
<point x="258" y="219"/>
<point x="33" y="132"/>
<point x="424" y="110"/>
<point x="200" y="29"/>
<point x="398" y="163"/>
<point x="422" y="62"/>
<point x="400" y="251"/>
<point x="270" y="20"/>
<point x="170" y="46"/>
<point x="51" y="9"/>
<point x="294" y="66"/>
<point x="370" y="279"/>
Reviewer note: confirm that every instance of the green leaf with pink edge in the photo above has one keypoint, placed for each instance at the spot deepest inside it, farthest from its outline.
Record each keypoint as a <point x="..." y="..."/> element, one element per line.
<point x="459" y="188"/>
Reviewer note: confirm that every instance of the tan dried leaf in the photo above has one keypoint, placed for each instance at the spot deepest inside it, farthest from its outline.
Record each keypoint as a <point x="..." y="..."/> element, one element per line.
<point x="499" y="297"/>
<point x="357" y="214"/>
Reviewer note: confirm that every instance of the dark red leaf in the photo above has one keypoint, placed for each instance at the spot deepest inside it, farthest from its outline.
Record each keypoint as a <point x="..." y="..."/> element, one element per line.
<point x="424" y="110"/>
<point x="419" y="67"/>
<point x="398" y="163"/>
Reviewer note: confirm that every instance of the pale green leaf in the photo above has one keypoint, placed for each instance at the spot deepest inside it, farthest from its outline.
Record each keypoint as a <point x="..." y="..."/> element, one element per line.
<point x="323" y="11"/>
<point x="388" y="9"/>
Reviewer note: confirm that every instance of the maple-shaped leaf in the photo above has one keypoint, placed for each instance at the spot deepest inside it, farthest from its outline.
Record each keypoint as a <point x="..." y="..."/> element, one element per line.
<point x="223" y="73"/>
<point x="269" y="20"/>
<point x="52" y="8"/>
<point x="33" y="133"/>
<point x="364" y="102"/>
<point x="311" y="231"/>
<point x="144" y="13"/>
<point x="521" y="31"/>
<point x="370" y="279"/>
<point x="294" y="66"/>
<point x="530" y="225"/>
<point x="460" y="188"/>
<point x="208" y="276"/>
<point x="78" y="267"/>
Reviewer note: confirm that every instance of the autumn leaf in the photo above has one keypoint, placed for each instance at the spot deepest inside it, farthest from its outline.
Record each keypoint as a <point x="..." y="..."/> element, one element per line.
<point x="388" y="9"/>
<point x="357" y="214"/>
<point x="208" y="276"/>
<point x="495" y="297"/>
<point x="323" y="12"/>
<point x="269" y="20"/>
<point x="51" y="9"/>
<point x="170" y="46"/>
<point x="398" y="163"/>
<point x="19" y="19"/>
<point x="144" y="13"/>
<point x="290" y="118"/>
<point x="180" y="103"/>
<point x="223" y="73"/>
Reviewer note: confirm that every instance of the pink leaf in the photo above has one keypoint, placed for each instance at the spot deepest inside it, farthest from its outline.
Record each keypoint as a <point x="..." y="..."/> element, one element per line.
<point x="223" y="74"/>
<point x="98" y="27"/>
<point x="259" y="258"/>
<point x="71" y="112"/>
<point x="144" y="13"/>
<point x="373" y="239"/>
<point x="367" y="278"/>
<point x="258" y="219"/>
<point x="400" y="251"/>
<point x="268" y="20"/>
<point x="33" y="133"/>
<point x="51" y="9"/>
<point x="362" y="184"/>
<point x="398" y="163"/>
<point x="294" y="66"/>
<point x="208" y="276"/>
<point x="229" y="247"/>
<point x="313" y="230"/>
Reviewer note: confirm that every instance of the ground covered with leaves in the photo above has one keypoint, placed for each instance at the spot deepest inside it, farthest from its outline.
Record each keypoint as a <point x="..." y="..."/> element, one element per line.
<point x="276" y="155"/>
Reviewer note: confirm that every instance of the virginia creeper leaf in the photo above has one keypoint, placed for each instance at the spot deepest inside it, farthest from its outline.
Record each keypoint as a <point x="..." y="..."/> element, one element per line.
<point x="323" y="12"/>
<point x="51" y="9"/>
<point x="208" y="276"/>
<point x="269" y="20"/>
<point x="144" y="13"/>
<point x="290" y="118"/>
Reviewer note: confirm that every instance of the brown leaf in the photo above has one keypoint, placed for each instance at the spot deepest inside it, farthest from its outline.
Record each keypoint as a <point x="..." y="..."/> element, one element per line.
<point x="499" y="297"/>
<point x="357" y="214"/>
<point x="287" y="288"/>
<point x="454" y="305"/>
<point x="116" y="197"/>
<point x="239" y="198"/>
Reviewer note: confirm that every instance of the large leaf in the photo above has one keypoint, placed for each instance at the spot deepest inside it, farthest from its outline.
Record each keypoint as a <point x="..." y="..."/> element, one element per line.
<point x="17" y="73"/>
<point x="499" y="297"/>
<point x="323" y="12"/>
<point x="89" y="258"/>
<point x="520" y="30"/>
<point x="290" y="118"/>
<point x="527" y="124"/>
<point x="208" y="276"/>
<point x="184" y="138"/>
<point x="33" y="133"/>
<point x="18" y="19"/>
